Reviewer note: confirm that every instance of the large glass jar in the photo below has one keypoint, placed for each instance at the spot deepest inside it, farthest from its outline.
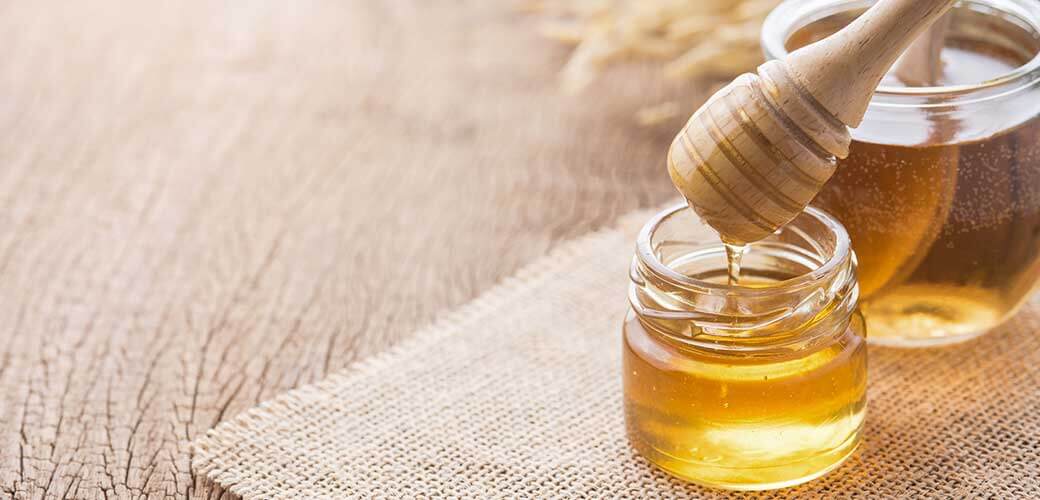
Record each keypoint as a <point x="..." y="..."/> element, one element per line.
<point x="941" y="189"/>
<point x="747" y="387"/>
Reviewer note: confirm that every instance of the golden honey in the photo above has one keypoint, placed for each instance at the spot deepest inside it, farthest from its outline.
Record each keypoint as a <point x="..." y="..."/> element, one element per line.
<point x="940" y="192"/>
<point x="747" y="387"/>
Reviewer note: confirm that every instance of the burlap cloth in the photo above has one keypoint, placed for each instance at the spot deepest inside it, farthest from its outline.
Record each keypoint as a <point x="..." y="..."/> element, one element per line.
<point x="518" y="395"/>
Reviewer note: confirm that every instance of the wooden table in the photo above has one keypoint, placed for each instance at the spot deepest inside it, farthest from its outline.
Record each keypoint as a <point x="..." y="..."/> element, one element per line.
<point x="206" y="204"/>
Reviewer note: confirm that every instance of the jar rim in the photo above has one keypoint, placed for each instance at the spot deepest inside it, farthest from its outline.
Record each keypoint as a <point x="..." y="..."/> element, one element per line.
<point x="791" y="15"/>
<point x="833" y="263"/>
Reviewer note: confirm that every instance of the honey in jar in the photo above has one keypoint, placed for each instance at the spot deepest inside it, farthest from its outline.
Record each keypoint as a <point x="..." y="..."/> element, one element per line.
<point x="751" y="386"/>
<point x="940" y="192"/>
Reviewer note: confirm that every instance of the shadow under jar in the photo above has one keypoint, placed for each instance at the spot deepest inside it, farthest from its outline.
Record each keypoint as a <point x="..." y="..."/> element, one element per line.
<point x="748" y="387"/>
<point x="941" y="189"/>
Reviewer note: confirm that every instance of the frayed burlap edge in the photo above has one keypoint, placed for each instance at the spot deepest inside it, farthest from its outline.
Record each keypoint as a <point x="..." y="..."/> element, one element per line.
<point x="206" y="459"/>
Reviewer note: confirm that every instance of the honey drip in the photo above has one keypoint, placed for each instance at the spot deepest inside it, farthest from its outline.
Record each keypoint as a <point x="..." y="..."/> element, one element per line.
<point x="734" y="254"/>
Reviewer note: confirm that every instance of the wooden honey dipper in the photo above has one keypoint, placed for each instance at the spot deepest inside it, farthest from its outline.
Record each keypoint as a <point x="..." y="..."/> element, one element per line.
<point x="754" y="156"/>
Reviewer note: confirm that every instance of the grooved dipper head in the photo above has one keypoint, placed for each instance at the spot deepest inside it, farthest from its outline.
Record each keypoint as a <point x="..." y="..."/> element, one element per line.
<point x="754" y="156"/>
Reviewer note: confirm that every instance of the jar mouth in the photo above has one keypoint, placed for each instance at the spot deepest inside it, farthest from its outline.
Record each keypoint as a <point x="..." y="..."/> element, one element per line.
<point x="793" y="15"/>
<point x="833" y="260"/>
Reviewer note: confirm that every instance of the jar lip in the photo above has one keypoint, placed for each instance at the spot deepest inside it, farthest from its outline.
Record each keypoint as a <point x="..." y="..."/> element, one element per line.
<point x="840" y="255"/>
<point x="791" y="15"/>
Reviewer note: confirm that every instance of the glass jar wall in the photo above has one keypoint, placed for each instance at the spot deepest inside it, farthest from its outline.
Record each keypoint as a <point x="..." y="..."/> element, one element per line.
<point x="747" y="387"/>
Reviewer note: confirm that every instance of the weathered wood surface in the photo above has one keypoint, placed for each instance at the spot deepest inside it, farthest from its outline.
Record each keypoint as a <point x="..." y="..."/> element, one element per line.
<point x="204" y="204"/>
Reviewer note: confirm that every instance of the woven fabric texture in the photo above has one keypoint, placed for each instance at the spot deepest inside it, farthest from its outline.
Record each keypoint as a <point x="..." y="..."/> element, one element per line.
<point x="518" y="395"/>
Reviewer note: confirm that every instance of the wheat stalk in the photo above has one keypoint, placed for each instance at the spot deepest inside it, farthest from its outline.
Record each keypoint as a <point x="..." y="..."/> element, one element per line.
<point x="693" y="38"/>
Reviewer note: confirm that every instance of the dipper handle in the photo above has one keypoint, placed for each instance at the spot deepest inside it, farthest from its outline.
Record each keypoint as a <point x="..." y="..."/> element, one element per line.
<point x="843" y="70"/>
<point x="754" y="156"/>
<point x="921" y="65"/>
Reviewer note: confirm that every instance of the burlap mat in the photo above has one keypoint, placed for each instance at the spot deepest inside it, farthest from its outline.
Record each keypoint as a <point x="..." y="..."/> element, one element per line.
<point x="518" y="395"/>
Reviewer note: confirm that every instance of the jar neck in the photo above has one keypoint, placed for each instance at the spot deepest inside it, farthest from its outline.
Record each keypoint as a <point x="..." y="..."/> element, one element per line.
<point x="794" y="15"/>
<point x="804" y="285"/>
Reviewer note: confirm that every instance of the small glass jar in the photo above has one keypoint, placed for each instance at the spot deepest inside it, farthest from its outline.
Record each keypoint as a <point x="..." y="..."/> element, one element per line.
<point x="748" y="387"/>
<point x="941" y="189"/>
